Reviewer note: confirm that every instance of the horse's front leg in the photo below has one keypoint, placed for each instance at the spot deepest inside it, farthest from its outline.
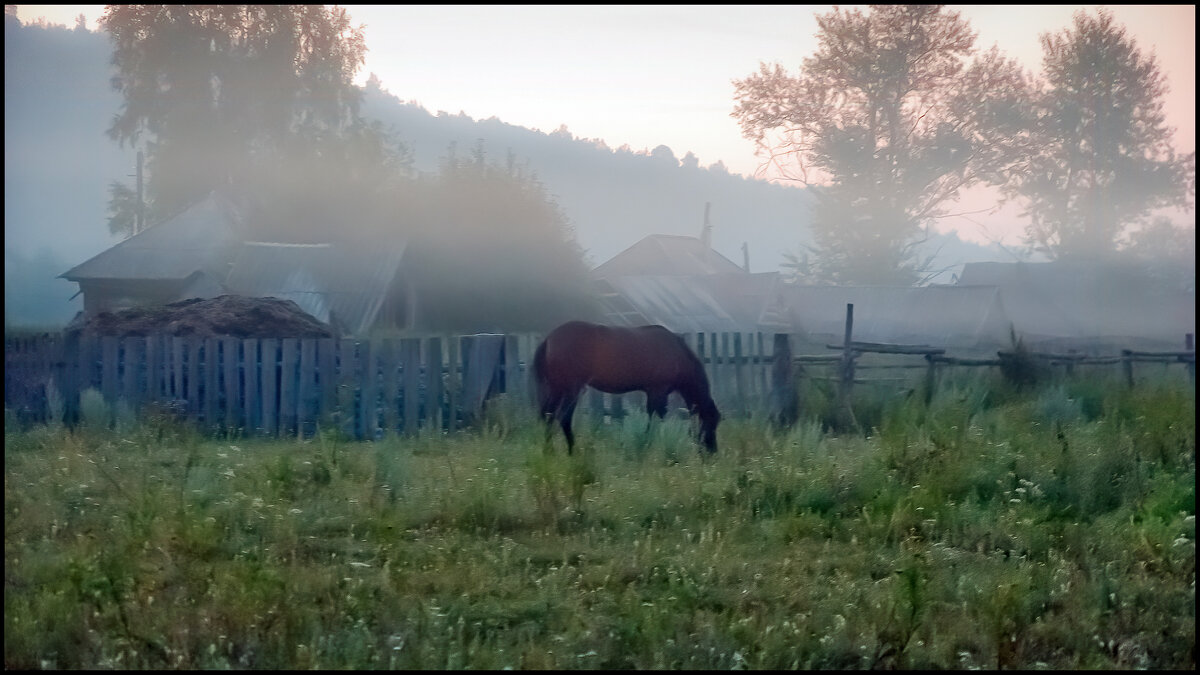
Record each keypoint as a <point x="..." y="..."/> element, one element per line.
<point x="656" y="405"/>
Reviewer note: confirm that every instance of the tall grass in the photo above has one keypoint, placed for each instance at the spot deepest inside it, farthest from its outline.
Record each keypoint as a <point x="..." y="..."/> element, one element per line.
<point x="977" y="527"/>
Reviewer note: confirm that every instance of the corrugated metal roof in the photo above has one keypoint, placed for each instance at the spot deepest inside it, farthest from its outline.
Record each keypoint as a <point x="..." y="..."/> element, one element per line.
<point x="688" y="304"/>
<point x="678" y="303"/>
<point x="325" y="280"/>
<point x="202" y="238"/>
<point x="666" y="255"/>
<point x="940" y="316"/>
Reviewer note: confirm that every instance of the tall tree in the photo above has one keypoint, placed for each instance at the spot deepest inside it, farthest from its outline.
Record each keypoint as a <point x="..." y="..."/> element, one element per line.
<point x="1102" y="159"/>
<point x="222" y="92"/>
<point x="886" y="123"/>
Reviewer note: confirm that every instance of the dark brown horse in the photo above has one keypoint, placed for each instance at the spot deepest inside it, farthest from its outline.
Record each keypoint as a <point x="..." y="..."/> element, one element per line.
<point x="617" y="360"/>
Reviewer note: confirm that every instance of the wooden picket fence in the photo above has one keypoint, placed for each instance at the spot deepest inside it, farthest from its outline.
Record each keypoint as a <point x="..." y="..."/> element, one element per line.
<point x="291" y="386"/>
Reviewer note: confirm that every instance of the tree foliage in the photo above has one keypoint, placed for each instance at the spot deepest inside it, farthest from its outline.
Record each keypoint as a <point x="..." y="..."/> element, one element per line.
<point x="886" y="123"/>
<point x="496" y="249"/>
<point x="1102" y="160"/>
<point x="222" y="92"/>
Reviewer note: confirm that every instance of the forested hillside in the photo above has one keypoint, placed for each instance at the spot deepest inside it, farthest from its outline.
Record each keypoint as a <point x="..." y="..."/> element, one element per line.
<point x="615" y="197"/>
<point x="59" y="164"/>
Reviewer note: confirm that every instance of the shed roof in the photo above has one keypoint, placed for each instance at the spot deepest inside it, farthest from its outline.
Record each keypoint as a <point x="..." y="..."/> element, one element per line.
<point x="325" y="280"/>
<point x="666" y="255"/>
<point x="201" y="238"/>
<point x="697" y="303"/>
<point x="1064" y="299"/>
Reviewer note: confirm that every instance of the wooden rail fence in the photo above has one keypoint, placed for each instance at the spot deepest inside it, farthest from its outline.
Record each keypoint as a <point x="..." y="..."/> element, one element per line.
<point x="935" y="358"/>
<point x="289" y="386"/>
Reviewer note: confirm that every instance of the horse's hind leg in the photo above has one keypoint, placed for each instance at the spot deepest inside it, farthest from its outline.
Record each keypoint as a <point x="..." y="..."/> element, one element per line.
<point x="566" y="411"/>
<point x="550" y="403"/>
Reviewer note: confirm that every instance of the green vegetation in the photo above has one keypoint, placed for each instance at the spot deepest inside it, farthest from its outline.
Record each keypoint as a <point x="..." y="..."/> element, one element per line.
<point x="990" y="527"/>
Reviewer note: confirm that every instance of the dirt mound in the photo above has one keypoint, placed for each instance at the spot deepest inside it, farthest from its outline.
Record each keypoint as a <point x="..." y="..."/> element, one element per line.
<point x="223" y="316"/>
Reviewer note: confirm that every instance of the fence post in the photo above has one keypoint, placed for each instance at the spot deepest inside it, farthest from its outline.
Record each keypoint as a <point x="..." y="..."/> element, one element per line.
<point x="783" y="397"/>
<point x="930" y="377"/>
<point x="1127" y="365"/>
<point x="1189" y="343"/>
<point x="846" y="370"/>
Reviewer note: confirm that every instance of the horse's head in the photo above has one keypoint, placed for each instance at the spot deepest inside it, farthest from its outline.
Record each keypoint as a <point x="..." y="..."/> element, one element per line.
<point x="710" y="417"/>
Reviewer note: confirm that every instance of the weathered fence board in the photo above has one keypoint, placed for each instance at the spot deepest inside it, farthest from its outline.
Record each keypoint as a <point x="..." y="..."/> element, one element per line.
<point x="433" y="365"/>
<point x="306" y="413"/>
<point x="270" y="384"/>
<point x="252" y="401"/>
<point x="410" y="351"/>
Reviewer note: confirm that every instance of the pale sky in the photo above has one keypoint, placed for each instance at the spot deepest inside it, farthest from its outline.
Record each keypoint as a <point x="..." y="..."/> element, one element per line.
<point x="661" y="75"/>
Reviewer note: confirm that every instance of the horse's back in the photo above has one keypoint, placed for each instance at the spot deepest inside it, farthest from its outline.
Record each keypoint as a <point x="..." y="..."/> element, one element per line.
<point x="616" y="358"/>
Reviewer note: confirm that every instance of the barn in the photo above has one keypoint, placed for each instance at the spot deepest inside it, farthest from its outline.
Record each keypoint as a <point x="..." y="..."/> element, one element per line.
<point x="203" y="253"/>
<point x="186" y="256"/>
<point x="681" y="283"/>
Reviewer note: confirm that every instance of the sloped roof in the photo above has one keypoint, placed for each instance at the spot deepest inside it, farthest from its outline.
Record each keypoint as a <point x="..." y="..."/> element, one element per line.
<point x="964" y="317"/>
<point x="688" y="304"/>
<point x="325" y="280"/>
<point x="666" y="255"/>
<point x="202" y="238"/>
<point x="1065" y="299"/>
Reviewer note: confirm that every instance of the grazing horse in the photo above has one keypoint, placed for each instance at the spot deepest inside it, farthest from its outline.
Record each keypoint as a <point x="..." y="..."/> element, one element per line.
<point x="617" y="360"/>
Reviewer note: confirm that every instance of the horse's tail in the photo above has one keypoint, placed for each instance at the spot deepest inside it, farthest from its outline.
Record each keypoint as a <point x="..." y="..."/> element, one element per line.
<point x="540" y="386"/>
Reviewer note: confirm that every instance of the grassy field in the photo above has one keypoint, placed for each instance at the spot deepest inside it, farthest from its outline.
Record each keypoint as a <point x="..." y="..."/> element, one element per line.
<point x="985" y="528"/>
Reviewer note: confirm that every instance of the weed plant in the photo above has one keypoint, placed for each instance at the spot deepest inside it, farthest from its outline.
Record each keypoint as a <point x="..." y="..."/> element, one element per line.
<point x="979" y="525"/>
